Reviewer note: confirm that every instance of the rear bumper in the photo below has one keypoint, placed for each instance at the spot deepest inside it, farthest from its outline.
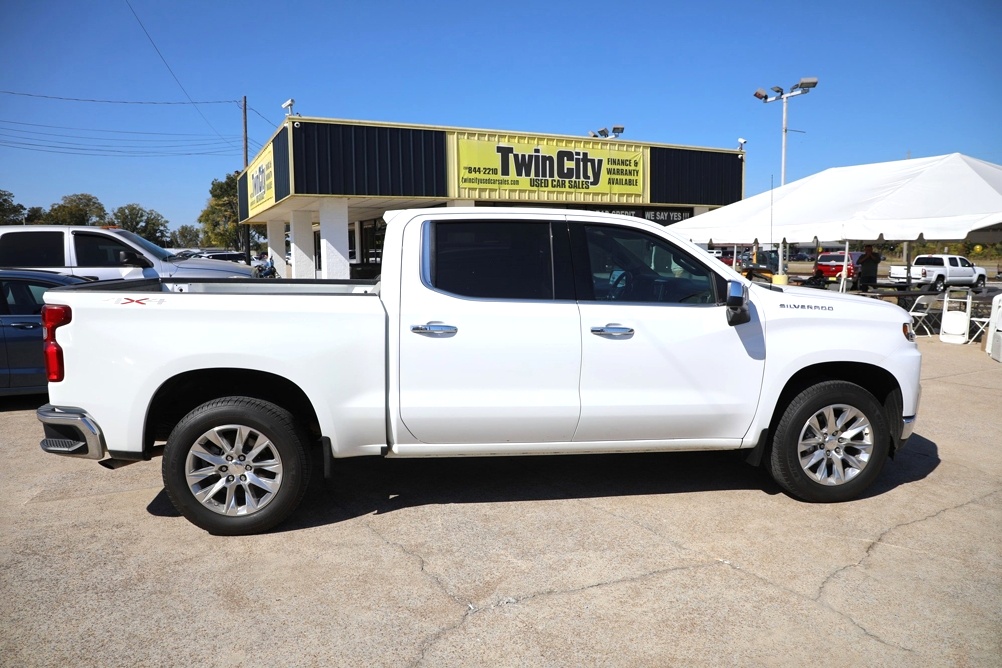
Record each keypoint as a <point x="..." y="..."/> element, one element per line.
<point x="70" y="432"/>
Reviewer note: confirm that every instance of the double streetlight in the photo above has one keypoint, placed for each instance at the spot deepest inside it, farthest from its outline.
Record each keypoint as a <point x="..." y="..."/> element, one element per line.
<point x="804" y="86"/>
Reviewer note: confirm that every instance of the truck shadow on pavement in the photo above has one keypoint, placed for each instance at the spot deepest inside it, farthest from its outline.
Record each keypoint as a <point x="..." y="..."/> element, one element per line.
<point x="367" y="486"/>
<point x="370" y="485"/>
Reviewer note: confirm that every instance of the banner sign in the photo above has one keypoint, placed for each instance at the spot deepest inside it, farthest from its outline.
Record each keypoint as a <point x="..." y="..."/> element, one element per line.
<point x="261" y="182"/>
<point x="551" y="165"/>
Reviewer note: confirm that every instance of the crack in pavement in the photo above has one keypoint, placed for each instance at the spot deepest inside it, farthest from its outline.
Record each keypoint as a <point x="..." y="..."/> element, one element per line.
<point x="469" y="609"/>
<point x="817" y="601"/>
<point x="870" y="551"/>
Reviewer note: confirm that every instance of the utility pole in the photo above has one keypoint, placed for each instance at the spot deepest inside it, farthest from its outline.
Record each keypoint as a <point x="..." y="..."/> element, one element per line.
<point x="247" y="252"/>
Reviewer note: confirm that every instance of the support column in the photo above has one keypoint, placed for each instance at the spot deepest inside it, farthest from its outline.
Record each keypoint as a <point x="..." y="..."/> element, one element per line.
<point x="334" y="239"/>
<point x="276" y="246"/>
<point x="460" y="202"/>
<point x="301" y="240"/>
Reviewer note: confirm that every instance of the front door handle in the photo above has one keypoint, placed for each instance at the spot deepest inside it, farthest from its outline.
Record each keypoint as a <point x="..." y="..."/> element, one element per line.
<point x="434" y="329"/>
<point x="613" y="329"/>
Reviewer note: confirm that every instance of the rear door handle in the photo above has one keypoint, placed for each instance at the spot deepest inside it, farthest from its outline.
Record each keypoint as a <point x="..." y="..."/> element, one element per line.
<point x="434" y="329"/>
<point x="25" y="325"/>
<point x="613" y="329"/>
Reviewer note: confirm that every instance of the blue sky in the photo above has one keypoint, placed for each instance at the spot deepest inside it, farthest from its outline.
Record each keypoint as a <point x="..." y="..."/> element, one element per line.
<point x="896" y="80"/>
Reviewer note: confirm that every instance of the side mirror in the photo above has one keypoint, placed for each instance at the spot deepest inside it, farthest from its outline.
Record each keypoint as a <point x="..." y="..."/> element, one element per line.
<point x="737" y="304"/>
<point x="133" y="259"/>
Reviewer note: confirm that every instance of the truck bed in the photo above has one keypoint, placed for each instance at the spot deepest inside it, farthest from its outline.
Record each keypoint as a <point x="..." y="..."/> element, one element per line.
<point x="230" y="286"/>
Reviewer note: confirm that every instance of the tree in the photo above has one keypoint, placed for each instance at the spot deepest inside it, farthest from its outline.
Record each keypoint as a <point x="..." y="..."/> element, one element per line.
<point x="219" y="219"/>
<point x="186" y="236"/>
<point x="10" y="213"/>
<point x="147" y="223"/>
<point x="36" y="215"/>
<point x="79" y="209"/>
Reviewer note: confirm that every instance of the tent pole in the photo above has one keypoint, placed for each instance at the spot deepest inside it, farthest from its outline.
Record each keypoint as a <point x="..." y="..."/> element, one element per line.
<point x="845" y="266"/>
<point x="908" y="266"/>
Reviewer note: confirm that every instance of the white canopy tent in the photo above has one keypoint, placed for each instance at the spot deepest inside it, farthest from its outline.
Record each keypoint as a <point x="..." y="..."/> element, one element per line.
<point x="947" y="197"/>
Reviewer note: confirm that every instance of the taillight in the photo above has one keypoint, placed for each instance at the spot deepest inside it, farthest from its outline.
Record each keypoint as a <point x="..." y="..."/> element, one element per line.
<point x="53" y="317"/>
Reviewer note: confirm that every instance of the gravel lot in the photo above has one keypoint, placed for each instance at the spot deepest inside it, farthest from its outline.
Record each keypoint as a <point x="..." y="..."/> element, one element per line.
<point x="640" y="560"/>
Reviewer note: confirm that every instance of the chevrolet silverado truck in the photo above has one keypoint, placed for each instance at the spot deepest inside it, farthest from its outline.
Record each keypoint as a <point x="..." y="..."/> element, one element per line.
<point x="490" y="332"/>
<point x="939" y="271"/>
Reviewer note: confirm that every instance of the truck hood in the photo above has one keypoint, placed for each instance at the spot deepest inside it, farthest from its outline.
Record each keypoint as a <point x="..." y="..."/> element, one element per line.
<point x="794" y="298"/>
<point x="202" y="267"/>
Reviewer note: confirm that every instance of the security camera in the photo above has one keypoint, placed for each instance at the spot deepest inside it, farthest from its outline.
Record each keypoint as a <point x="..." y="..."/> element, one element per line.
<point x="742" y="141"/>
<point x="288" y="103"/>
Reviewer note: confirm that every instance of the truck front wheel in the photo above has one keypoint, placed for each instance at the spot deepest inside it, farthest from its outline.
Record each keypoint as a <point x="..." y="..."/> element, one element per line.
<point x="236" y="466"/>
<point x="830" y="444"/>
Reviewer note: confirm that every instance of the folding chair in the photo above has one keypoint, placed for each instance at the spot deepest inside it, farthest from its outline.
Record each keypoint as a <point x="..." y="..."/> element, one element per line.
<point x="978" y="326"/>
<point x="923" y="315"/>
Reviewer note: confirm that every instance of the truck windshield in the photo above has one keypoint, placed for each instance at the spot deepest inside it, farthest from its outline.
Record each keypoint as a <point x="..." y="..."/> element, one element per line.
<point x="148" y="246"/>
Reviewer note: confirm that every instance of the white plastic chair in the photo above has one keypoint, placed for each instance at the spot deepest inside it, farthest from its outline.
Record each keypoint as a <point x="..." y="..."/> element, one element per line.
<point x="923" y="315"/>
<point x="955" y="327"/>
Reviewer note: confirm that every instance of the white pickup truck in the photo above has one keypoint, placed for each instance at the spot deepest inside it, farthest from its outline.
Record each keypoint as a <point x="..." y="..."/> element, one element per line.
<point x="939" y="271"/>
<point x="490" y="332"/>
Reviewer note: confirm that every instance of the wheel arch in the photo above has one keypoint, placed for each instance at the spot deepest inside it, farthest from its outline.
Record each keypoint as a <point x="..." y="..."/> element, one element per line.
<point x="877" y="381"/>
<point x="179" y="395"/>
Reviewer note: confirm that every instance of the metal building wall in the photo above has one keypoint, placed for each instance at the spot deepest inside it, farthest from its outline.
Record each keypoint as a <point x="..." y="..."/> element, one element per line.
<point x="687" y="176"/>
<point x="338" y="159"/>
<point x="280" y="159"/>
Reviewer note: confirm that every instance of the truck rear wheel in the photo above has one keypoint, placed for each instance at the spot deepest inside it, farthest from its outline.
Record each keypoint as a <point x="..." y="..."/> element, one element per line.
<point x="236" y="466"/>
<point x="939" y="284"/>
<point x="830" y="444"/>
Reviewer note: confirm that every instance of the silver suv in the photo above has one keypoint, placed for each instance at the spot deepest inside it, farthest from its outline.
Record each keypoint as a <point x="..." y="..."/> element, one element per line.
<point x="101" y="253"/>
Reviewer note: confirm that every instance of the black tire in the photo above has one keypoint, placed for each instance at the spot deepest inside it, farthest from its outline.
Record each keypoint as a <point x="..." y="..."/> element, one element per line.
<point x="244" y="458"/>
<point x="939" y="284"/>
<point x="979" y="282"/>
<point x="815" y="463"/>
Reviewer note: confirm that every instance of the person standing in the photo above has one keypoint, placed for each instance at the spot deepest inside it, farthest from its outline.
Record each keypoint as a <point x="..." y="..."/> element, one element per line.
<point x="868" y="263"/>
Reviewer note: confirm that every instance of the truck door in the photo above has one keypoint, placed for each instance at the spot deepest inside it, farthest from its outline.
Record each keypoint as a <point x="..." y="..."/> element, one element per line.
<point x="489" y="344"/>
<point x="961" y="271"/>
<point x="101" y="257"/>
<point x="659" y="361"/>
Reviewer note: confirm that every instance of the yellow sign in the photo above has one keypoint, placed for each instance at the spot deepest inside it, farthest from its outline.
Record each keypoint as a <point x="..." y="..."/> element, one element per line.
<point x="550" y="165"/>
<point x="261" y="182"/>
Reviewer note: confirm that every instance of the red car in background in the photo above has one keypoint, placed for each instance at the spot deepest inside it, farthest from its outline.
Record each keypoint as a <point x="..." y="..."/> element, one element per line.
<point x="830" y="265"/>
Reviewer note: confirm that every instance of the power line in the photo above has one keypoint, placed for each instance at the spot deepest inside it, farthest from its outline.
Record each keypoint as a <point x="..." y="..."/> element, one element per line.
<point x="80" y="99"/>
<point x="266" y="120"/>
<point x="118" y="153"/>
<point x="203" y="140"/>
<point x="157" y="49"/>
<point x="131" y="132"/>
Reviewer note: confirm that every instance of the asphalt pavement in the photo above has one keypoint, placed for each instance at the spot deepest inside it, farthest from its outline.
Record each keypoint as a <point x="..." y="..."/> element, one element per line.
<point x="690" y="559"/>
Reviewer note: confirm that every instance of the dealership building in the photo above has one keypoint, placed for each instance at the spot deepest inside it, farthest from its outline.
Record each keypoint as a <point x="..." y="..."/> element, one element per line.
<point x="326" y="183"/>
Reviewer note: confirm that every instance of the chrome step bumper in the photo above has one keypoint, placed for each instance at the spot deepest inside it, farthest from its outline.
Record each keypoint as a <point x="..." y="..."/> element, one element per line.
<point x="70" y="432"/>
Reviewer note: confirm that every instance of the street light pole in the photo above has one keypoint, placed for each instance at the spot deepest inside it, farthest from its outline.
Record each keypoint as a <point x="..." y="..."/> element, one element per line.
<point x="802" y="87"/>
<point x="782" y="168"/>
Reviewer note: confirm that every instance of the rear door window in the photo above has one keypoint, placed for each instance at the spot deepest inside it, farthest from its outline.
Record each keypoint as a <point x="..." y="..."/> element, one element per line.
<point x="32" y="249"/>
<point x="492" y="260"/>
